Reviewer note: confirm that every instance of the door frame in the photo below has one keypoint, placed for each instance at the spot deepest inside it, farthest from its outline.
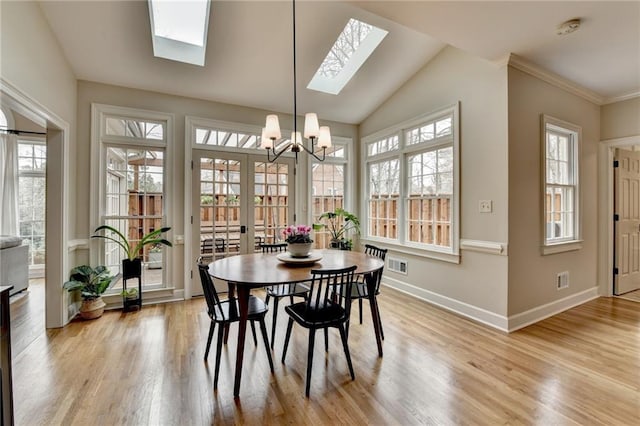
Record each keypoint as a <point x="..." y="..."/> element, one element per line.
<point x="58" y="245"/>
<point x="606" y="153"/>
<point x="186" y="240"/>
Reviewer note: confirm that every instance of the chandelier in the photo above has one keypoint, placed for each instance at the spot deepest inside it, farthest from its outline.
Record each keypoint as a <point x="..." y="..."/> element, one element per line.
<point x="312" y="131"/>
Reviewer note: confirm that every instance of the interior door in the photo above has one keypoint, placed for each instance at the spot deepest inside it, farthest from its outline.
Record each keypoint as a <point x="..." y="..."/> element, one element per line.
<point x="627" y="225"/>
<point x="239" y="201"/>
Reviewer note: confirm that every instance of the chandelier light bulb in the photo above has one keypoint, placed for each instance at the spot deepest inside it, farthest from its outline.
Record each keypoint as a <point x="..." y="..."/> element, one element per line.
<point x="311" y="128"/>
<point x="265" y="142"/>
<point x="324" y="140"/>
<point x="272" y="128"/>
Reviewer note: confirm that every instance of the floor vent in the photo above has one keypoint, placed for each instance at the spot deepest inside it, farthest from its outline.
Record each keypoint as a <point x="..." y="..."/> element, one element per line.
<point x="398" y="265"/>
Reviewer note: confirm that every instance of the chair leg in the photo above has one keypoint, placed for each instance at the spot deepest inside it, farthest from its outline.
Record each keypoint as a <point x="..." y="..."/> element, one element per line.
<point x="379" y="320"/>
<point x="343" y="336"/>
<point x="263" y="330"/>
<point x="266" y="299"/>
<point x="312" y="338"/>
<point x="326" y="339"/>
<point x="253" y="331"/>
<point x="226" y="333"/>
<point x="286" y="339"/>
<point x="274" y="319"/>
<point x="348" y="323"/>
<point x="291" y="299"/>
<point x="221" y="333"/>
<point x="211" y="329"/>
<point x="360" y="309"/>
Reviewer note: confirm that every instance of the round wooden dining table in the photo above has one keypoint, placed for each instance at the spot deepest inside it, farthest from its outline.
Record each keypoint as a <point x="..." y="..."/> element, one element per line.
<point x="248" y="271"/>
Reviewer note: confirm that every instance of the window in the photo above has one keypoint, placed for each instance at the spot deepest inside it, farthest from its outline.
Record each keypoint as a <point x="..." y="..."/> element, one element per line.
<point x="430" y="189"/>
<point x="32" y="159"/>
<point x="129" y="188"/>
<point x="354" y="45"/>
<point x="179" y="29"/>
<point x="561" y="190"/>
<point x="412" y="180"/>
<point x="329" y="180"/>
<point x="384" y="193"/>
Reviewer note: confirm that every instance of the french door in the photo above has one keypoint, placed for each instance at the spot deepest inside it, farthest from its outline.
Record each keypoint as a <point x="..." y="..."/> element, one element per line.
<point x="239" y="201"/>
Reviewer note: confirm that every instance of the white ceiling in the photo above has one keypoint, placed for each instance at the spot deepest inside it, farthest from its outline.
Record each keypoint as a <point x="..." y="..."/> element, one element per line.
<point x="249" y="53"/>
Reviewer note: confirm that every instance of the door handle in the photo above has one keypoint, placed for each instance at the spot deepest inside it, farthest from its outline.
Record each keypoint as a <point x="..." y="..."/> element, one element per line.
<point x="243" y="229"/>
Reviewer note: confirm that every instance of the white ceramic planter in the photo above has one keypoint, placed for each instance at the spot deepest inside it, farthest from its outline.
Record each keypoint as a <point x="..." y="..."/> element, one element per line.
<point x="299" y="249"/>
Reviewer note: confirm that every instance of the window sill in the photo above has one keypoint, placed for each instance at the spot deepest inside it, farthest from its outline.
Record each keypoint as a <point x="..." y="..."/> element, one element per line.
<point x="444" y="256"/>
<point x="561" y="247"/>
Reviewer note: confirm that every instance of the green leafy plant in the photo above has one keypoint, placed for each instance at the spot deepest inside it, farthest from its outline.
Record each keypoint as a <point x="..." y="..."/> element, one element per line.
<point x="339" y="223"/>
<point x="130" y="293"/>
<point x="132" y="251"/>
<point x="92" y="282"/>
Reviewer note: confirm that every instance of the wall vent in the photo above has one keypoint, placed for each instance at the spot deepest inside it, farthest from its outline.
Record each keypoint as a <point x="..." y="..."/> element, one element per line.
<point x="562" y="280"/>
<point x="398" y="265"/>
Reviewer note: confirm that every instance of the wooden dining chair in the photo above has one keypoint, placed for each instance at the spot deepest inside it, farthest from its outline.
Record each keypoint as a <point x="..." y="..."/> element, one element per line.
<point x="279" y="291"/>
<point x="225" y="312"/>
<point x="359" y="291"/>
<point x="322" y="309"/>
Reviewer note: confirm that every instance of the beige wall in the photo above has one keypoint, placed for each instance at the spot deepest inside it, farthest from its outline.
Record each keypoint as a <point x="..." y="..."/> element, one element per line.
<point x="32" y="64"/>
<point x="180" y="107"/>
<point x="480" y="279"/>
<point x="532" y="277"/>
<point x="621" y="119"/>
<point x="32" y="60"/>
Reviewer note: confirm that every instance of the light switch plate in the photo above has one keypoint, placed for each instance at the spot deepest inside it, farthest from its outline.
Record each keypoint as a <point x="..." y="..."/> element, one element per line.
<point x="485" y="206"/>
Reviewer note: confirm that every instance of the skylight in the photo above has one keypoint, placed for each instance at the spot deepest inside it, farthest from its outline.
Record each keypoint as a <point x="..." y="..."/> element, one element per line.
<point x="354" y="45"/>
<point x="179" y="29"/>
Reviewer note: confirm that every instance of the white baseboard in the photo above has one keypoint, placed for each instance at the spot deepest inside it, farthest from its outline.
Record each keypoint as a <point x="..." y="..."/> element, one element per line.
<point x="502" y="323"/>
<point x="539" y="313"/>
<point x="466" y="310"/>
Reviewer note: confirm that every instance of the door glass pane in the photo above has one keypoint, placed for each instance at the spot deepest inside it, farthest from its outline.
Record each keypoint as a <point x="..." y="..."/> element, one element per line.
<point x="219" y="208"/>
<point x="271" y="202"/>
<point x="134" y="205"/>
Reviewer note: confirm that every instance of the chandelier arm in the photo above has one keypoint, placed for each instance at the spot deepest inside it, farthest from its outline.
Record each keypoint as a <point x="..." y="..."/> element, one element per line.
<point x="276" y="153"/>
<point x="310" y="151"/>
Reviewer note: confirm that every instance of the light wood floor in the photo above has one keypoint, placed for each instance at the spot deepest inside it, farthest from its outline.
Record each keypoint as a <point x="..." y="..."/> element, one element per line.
<point x="632" y="295"/>
<point x="579" y="367"/>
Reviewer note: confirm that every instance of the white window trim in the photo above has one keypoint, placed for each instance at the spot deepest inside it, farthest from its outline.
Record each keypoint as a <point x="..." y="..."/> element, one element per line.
<point x="349" y="177"/>
<point x="575" y="243"/>
<point x="400" y="245"/>
<point x="99" y="113"/>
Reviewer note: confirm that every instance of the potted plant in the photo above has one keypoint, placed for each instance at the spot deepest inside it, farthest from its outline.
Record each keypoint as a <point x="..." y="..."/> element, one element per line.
<point x="340" y="223"/>
<point x="132" y="264"/>
<point x="298" y="238"/>
<point x="130" y="293"/>
<point x="92" y="283"/>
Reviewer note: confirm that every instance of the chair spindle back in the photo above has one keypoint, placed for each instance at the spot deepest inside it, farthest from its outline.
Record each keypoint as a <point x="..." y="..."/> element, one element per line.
<point x="326" y="287"/>
<point x="210" y="293"/>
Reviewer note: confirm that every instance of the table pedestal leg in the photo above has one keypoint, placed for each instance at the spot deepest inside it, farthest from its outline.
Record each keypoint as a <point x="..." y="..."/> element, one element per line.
<point x="243" y="307"/>
<point x="371" y="280"/>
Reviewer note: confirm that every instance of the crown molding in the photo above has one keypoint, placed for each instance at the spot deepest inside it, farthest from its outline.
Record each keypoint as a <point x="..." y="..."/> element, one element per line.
<point x="614" y="99"/>
<point x="554" y="79"/>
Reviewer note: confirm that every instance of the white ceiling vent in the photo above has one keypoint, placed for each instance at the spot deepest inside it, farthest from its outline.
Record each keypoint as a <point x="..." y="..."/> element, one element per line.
<point x="398" y="265"/>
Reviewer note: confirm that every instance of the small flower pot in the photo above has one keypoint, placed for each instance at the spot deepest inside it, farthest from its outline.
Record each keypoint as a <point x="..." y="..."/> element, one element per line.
<point x="299" y="249"/>
<point x="131" y="268"/>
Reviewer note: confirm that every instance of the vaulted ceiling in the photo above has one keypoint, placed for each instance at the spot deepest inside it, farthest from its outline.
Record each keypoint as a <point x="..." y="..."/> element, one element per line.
<point x="249" y="47"/>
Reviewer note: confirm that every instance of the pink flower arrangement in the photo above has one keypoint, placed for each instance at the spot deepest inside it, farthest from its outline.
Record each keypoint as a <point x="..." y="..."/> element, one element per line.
<point x="297" y="234"/>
